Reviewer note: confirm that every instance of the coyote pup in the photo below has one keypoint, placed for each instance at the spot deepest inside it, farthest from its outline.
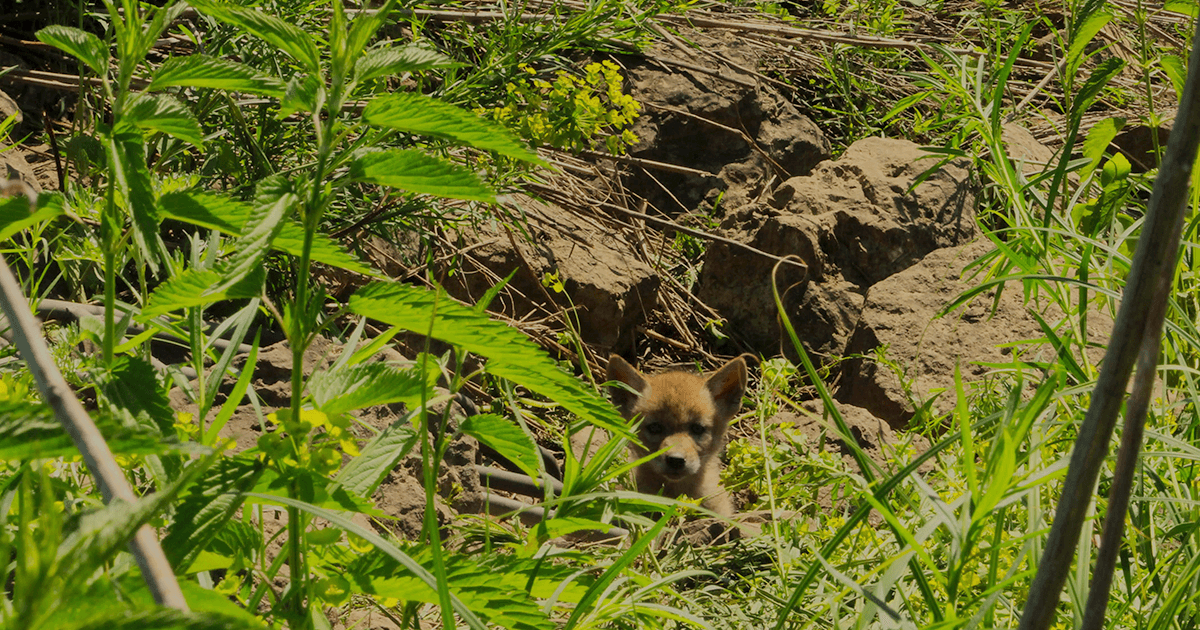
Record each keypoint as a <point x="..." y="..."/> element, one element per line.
<point x="687" y="415"/>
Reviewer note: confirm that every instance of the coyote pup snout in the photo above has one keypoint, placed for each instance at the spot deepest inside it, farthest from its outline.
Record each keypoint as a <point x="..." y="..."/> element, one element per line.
<point x="687" y="415"/>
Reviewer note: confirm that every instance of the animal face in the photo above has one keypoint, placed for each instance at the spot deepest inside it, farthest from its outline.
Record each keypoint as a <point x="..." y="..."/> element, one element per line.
<point x="684" y="416"/>
<point x="678" y="416"/>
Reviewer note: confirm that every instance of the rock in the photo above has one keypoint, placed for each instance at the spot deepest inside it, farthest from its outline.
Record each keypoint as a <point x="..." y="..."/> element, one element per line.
<point x="854" y="222"/>
<point x="876" y="438"/>
<point x="899" y="316"/>
<point x="1030" y="155"/>
<point x="602" y="274"/>
<point x="746" y="135"/>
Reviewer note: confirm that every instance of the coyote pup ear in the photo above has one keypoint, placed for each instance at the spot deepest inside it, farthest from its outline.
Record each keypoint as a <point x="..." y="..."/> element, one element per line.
<point x="619" y="370"/>
<point x="727" y="387"/>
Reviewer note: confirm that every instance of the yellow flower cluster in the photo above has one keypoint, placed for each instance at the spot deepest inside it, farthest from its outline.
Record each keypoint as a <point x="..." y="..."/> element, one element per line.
<point x="289" y="445"/>
<point x="572" y="112"/>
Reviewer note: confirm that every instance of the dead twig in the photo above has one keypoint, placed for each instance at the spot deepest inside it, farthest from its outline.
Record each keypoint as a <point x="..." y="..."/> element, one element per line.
<point x="160" y="579"/>
<point x="1154" y="261"/>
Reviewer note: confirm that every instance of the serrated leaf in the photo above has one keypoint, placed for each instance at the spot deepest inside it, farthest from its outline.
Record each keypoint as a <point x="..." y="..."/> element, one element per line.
<point x="1100" y="76"/>
<point x="510" y="354"/>
<point x="1186" y="7"/>
<point x="261" y="228"/>
<point x="203" y="71"/>
<point x="1085" y="31"/>
<point x="127" y="167"/>
<point x="194" y="287"/>
<point x="315" y="490"/>
<point x="498" y="596"/>
<point x="302" y="94"/>
<point x="284" y="35"/>
<point x="80" y="44"/>
<point x="383" y="62"/>
<point x="419" y="172"/>
<point x="207" y="506"/>
<point x="227" y="216"/>
<point x="104" y="532"/>
<point x="1176" y="70"/>
<point x="30" y="431"/>
<point x="212" y="211"/>
<point x="363" y="474"/>
<point x="15" y="215"/>
<point x="131" y="386"/>
<point x="506" y="438"/>
<point x="163" y="114"/>
<point x="416" y="113"/>
<point x="360" y="386"/>
<point x="362" y="30"/>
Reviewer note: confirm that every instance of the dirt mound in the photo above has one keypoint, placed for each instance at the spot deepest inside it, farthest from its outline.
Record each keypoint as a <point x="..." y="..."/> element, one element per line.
<point x="854" y="221"/>
<point x="741" y="135"/>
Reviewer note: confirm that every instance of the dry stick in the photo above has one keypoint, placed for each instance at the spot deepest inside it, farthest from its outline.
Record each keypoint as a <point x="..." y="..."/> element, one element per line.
<point x="1127" y="462"/>
<point x="109" y="476"/>
<point x="1156" y="255"/>
<point x="679" y="228"/>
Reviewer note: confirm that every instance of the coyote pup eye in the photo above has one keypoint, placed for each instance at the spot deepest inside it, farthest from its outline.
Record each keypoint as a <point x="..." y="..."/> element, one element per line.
<point x="654" y="428"/>
<point x="697" y="430"/>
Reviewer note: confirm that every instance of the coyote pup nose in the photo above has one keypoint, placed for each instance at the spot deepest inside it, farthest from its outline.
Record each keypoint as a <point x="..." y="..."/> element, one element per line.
<point x="684" y="416"/>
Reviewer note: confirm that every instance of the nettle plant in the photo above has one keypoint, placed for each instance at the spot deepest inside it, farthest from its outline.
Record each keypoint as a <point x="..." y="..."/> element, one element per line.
<point x="298" y="463"/>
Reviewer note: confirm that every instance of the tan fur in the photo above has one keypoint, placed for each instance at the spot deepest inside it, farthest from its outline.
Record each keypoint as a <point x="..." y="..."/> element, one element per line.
<point x="686" y="414"/>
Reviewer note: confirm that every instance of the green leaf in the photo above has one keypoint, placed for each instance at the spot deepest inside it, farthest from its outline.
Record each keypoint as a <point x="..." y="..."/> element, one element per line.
<point x="276" y="31"/>
<point x="359" y="386"/>
<point x="415" y="113"/>
<point x="215" y="212"/>
<point x="510" y="355"/>
<point x="261" y="228"/>
<point x="1085" y="31"/>
<point x="1176" y="70"/>
<point x="418" y="172"/>
<point x="164" y="114"/>
<point x="1101" y="75"/>
<point x="131" y="386"/>
<point x="506" y="438"/>
<point x="1098" y="138"/>
<point x="30" y="430"/>
<point x="497" y="594"/>
<point x="383" y="62"/>
<point x="363" y="474"/>
<point x="194" y="287"/>
<point x="127" y="167"/>
<point x="207" y="506"/>
<point x="393" y="552"/>
<point x="617" y="568"/>
<point x="302" y="94"/>
<point x="1187" y="7"/>
<point x="315" y="490"/>
<point x="203" y="71"/>
<point x="78" y="43"/>
<point x="227" y="216"/>
<point x="104" y="532"/>
<point x="16" y="217"/>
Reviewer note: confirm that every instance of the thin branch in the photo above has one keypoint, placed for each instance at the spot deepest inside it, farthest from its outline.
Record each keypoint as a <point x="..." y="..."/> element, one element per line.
<point x="74" y="418"/>
<point x="1157" y="253"/>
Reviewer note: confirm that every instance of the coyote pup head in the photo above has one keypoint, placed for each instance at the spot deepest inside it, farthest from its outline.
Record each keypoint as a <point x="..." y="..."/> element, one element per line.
<point x="685" y="416"/>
